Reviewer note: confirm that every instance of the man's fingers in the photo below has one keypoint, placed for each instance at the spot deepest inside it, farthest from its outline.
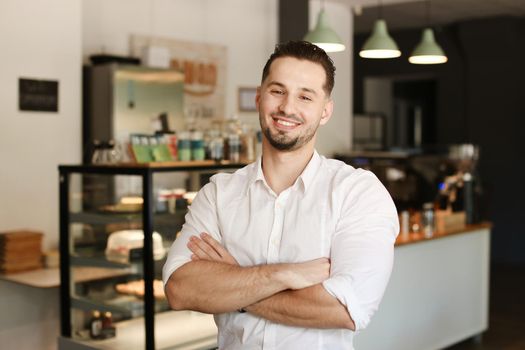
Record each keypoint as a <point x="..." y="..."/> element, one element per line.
<point x="204" y="247"/>
<point x="226" y="257"/>
<point x="214" y="244"/>
<point x="197" y="251"/>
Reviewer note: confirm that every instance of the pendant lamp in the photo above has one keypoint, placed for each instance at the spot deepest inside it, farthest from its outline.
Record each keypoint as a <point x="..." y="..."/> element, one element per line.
<point x="428" y="51"/>
<point x="380" y="44"/>
<point x="323" y="35"/>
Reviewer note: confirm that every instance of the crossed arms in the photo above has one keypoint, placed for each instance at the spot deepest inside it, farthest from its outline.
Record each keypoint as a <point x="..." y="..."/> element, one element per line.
<point x="291" y="294"/>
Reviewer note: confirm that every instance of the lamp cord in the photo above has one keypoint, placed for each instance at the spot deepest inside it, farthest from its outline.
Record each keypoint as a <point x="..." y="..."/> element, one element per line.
<point x="427" y="13"/>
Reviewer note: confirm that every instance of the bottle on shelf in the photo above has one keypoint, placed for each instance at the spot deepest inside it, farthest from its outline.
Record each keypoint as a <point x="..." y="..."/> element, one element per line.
<point x="428" y="219"/>
<point x="108" y="330"/>
<point x="248" y="144"/>
<point x="258" y="143"/>
<point x="234" y="148"/>
<point x="216" y="145"/>
<point x="95" y="325"/>
<point x="405" y="224"/>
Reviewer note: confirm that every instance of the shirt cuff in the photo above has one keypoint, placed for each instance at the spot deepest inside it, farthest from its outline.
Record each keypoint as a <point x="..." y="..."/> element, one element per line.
<point x="340" y="287"/>
<point x="169" y="268"/>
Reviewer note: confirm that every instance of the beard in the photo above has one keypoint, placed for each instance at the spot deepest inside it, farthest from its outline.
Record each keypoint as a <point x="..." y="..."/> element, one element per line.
<point x="281" y="140"/>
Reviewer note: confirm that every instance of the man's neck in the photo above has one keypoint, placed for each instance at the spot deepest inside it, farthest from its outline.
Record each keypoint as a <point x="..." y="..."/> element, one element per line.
<point x="281" y="169"/>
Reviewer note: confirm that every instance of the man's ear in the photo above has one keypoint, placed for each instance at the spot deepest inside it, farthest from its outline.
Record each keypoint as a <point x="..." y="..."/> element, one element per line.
<point x="327" y="112"/>
<point x="258" y="97"/>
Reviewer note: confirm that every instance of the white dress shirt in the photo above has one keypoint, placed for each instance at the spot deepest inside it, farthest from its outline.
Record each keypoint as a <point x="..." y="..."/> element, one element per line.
<point x="333" y="210"/>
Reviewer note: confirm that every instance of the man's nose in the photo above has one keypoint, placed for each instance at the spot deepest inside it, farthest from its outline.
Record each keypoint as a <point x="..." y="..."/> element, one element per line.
<point x="287" y="105"/>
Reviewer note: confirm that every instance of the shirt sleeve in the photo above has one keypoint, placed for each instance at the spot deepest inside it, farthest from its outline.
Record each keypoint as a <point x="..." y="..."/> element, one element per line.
<point x="362" y="248"/>
<point x="201" y="217"/>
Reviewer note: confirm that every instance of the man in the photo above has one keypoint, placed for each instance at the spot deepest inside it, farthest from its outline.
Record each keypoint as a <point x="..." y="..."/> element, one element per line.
<point x="295" y="250"/>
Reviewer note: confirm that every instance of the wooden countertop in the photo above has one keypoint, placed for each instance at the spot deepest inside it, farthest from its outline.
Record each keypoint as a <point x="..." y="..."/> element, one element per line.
<point x="419" y="237"/>
<point x="50" y="278"/>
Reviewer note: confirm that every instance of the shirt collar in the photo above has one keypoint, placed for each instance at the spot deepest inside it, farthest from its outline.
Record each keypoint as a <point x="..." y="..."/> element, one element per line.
<point x="306" y="177"/>
<point x="308" y="174"/>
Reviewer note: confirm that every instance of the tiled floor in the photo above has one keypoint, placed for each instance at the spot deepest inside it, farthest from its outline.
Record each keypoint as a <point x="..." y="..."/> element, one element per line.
<point x="506" y="314"/>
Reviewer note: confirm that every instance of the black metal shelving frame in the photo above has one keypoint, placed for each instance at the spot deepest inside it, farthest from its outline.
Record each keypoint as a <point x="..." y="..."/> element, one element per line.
<point x="146" y="171"/>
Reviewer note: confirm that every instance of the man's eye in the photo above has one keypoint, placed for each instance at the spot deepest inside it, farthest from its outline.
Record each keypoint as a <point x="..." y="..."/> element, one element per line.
<point x="278" y="92"/>
<point x="306" y="98"/>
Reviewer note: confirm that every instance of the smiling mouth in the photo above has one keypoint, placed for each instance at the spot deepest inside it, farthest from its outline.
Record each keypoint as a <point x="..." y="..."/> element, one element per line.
<point x="285" y="124"/>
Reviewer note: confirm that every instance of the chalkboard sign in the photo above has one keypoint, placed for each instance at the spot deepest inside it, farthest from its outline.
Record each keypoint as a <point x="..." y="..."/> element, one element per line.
<point x="38" y="95"/>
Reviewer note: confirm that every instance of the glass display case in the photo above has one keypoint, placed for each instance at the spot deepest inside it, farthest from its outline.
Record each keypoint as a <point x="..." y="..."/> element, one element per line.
<point x="112" y="253"/>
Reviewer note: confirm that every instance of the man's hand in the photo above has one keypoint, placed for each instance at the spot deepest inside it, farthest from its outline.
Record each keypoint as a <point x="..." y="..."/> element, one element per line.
<point x="207" y="248"/>
<point x="301" y="276"/>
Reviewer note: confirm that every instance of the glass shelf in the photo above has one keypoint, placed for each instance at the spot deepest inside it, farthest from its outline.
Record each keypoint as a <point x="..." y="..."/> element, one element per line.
<point x="101" y="261"/>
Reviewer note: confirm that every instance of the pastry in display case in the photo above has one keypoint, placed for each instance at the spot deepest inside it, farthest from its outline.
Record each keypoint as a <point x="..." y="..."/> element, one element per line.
<point x="122" y="243"/>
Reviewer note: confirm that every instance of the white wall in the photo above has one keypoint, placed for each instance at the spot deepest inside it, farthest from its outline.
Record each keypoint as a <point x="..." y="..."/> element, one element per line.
<point x="38" y="39"/>
<point x="336" y="135"/>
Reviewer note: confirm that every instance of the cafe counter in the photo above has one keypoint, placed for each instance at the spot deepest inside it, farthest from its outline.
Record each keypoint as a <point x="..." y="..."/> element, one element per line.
<point x="437" y="294"/>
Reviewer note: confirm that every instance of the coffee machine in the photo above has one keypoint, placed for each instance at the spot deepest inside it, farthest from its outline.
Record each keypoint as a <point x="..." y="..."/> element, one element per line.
<point x="460" y="187"/>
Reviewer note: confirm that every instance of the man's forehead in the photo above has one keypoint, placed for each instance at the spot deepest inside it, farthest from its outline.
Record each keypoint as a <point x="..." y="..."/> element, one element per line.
<point x="291" y="64"/>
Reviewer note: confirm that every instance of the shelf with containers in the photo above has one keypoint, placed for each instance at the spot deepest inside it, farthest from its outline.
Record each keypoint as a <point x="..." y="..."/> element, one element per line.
<point x="116" y="219"/>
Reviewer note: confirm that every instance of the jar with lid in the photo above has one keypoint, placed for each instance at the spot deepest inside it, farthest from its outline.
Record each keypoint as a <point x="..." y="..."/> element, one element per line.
<point x="197" y="146"/>
<point x="114" y="153"/>
<point x="184" y="146"/>
<point x="216" y="146"/>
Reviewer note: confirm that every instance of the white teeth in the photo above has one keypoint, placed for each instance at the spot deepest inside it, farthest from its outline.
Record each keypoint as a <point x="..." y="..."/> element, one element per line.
<point x="285" y="123"/>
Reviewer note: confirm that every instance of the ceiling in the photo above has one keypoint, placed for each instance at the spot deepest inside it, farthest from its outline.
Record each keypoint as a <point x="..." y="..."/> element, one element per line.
<point x="411" y="13"/>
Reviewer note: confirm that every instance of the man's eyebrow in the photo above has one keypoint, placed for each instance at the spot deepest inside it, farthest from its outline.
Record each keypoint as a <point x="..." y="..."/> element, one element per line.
<point x="311" y="91"/>
<point x="273" y="82"/>
<point x="305" y="89"/>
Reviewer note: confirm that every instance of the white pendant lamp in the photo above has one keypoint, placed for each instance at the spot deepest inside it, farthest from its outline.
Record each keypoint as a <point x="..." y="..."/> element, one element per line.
<point x="380" y="44"/>
<point x="428" y="50"/>
<point x="324" y="36"/>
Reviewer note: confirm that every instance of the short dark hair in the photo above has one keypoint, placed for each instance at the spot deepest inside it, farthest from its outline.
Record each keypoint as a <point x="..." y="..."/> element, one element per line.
<point x="303" y="50"/>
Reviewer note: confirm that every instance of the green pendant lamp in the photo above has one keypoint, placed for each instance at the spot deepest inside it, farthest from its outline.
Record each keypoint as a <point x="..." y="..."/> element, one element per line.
<point x="324" y="36"/>
<point x="380" y="44"/>
<point x="428" y="50"/>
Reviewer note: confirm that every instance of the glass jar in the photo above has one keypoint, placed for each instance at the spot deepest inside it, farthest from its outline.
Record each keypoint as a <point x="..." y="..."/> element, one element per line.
<point x="184" y="146"/>
<point x="197" y="146"/>
<point x="234" y="144"/>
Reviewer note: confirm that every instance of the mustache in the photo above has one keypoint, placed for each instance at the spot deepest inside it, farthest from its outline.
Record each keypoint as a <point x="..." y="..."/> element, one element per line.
<point x="292" y="117"/>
